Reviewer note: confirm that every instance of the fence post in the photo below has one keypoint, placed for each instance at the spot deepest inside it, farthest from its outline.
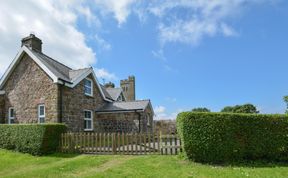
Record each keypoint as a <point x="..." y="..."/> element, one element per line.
<point x="114" y="151"/>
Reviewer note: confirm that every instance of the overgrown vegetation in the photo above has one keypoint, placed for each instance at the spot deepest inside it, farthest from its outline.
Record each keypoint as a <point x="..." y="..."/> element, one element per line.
<point x="36" y="139"/>
<point x="226" y="137"/>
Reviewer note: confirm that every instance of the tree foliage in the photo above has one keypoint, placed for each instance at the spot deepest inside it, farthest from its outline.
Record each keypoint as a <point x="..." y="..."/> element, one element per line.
<point x="201" y="109"/>
<point x="285" y="98"/>
<point x="245" y="108"/>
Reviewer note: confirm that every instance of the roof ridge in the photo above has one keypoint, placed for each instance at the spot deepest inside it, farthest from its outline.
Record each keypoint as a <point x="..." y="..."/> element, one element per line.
<point x="80" y="69"/>
<point x="131" y="101"/>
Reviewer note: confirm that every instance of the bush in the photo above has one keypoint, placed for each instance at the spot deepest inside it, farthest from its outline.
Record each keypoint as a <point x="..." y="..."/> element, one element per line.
<point x="226" y="137"/>
<point x="36" y="139"/>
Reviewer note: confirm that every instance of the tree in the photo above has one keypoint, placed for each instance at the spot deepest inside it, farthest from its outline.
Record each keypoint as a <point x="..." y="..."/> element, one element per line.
<point x="246" y="108"/>
<point x="285" y="98"/>
<point x="201" y="110"/>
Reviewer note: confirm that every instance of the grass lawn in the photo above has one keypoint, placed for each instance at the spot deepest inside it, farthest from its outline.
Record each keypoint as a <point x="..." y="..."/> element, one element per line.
<point x="58" y="165"/>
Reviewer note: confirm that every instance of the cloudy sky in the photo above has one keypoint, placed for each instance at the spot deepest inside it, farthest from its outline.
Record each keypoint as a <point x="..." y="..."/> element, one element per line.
<point x="184" y="53"/>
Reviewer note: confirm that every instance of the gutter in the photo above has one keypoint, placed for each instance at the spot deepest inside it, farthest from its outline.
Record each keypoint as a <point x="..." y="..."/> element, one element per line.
<point x="119" y="111"/>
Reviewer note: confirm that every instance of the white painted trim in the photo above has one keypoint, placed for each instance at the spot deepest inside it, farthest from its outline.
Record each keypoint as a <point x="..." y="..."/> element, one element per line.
<point x="9" y="116"/>
<point x="83" y="76"/>
<point x="2" y="92"/>
<point x="41" y="116"/>
<point x="92" y="83"/>
<point x="16" y="60"/>
<point x="88" y="119"/>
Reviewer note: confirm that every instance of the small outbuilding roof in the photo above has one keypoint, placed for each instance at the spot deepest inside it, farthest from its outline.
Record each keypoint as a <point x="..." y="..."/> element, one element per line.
<point x="125" y="106"/>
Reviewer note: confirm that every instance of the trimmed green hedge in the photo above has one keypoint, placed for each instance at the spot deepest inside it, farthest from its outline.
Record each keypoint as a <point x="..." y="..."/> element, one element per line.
<point x="36" y="139"/>
<point x="224" y="137"/>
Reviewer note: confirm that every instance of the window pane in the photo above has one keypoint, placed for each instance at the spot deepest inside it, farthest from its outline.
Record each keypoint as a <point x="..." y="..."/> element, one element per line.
<point x="41" y="110"/>
<point x="88" y="83"/>
<point x="42" y="119"/>
<point x="11" y="121"/>
<point x="88" y="115"/>
<point x="88" y="124"/>
<point x="88" y="91"/>
<point x="11" y="112"/>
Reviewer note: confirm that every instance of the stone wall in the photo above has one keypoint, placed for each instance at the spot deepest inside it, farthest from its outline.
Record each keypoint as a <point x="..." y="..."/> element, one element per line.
<point x="26" y="88"/>
<point x="75" y="102"/>
<point x="2" y="104"/>
<point x="126" y="122"/>
<point x="117" y="122"/>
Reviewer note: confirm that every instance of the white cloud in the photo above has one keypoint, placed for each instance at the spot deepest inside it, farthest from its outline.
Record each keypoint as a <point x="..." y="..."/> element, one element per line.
<point x="104" y="74"/>
<point x="228" y="31"/>
<point x="161" y="113"/>
<point x="52" y="21"/>
<point x="184" y="21"/>
<point x="121" y="9"/>
<point x="103" y="44"/>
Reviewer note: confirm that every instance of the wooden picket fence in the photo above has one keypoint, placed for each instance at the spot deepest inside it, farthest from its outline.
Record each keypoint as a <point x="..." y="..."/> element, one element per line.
<point x="120" y="143"/>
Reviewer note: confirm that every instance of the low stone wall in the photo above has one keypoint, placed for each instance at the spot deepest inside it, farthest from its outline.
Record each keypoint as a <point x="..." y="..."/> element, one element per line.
<point x="120" y="122"/>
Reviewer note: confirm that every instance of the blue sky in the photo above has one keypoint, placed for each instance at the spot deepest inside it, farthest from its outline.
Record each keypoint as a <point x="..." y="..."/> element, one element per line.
<point x="184" y="54"/>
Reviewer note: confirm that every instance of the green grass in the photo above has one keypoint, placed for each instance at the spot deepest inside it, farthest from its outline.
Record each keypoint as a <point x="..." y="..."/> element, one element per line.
<point x="60" y="165"/>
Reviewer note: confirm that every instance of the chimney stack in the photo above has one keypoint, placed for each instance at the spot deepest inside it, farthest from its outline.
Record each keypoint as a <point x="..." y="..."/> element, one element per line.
<point x="32" y="42"/>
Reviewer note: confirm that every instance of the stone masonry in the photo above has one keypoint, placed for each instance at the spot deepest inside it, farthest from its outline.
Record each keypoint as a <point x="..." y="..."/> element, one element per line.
<point x="75" y="102"/>
<point x="26" y="88"/>
<point x="125" y="122"/>
<point x="2" y="104"/>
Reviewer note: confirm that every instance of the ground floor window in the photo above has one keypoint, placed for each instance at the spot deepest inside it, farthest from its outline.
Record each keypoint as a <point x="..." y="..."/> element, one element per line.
<point x="88" y="120"/>
<point x="11" y="116"/>
<point x="41" y="113"/>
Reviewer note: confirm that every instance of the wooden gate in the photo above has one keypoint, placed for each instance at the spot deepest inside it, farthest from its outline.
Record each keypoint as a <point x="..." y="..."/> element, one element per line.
<point x="120" y="143"/>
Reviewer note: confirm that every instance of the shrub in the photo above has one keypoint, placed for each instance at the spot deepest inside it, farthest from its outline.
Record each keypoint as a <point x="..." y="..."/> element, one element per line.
<point x="36" y="139"/>
<point x="226" y="137"/>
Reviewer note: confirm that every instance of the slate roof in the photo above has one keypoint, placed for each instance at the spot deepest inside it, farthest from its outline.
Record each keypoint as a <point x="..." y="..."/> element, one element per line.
<point x="58" y="69"/>
<point x="124" y="106"/>
<point x="107" y="95"/>
<point x="114" y="92"/>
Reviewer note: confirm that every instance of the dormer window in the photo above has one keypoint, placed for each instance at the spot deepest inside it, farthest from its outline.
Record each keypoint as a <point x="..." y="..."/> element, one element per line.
<point x="88" y="87"/>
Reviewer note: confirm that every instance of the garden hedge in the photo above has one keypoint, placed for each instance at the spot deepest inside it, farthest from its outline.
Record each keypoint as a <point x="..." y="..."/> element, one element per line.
<point x="224" y="137"/>
<point x="36" y="139"/>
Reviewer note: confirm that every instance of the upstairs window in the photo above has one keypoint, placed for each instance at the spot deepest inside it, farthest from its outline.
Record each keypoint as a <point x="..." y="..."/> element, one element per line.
<point x="11" y="116"/>
<point x="88" y="121"/>
<point x="41" y="114"/>
<point x="88" y="87"/>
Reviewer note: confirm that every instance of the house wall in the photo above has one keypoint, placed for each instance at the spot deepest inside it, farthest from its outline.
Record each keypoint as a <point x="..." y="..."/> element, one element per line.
<point x="123" y="122"/>
<point x="26" y="88"/>
<point x="75" y="102"/>
<point x="2" y="103"/>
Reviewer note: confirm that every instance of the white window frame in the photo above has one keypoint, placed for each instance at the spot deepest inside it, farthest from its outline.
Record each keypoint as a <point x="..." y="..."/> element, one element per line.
<point x="148" y="120"/>
<point x="88" y="119"/>
<point x="41" y="116"/>
<point x="10" y="117"/>
<point x="88" y="94"/>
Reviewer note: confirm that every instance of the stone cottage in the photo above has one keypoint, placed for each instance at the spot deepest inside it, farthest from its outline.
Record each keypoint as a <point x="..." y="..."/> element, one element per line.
<point x="38" y="89"/>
